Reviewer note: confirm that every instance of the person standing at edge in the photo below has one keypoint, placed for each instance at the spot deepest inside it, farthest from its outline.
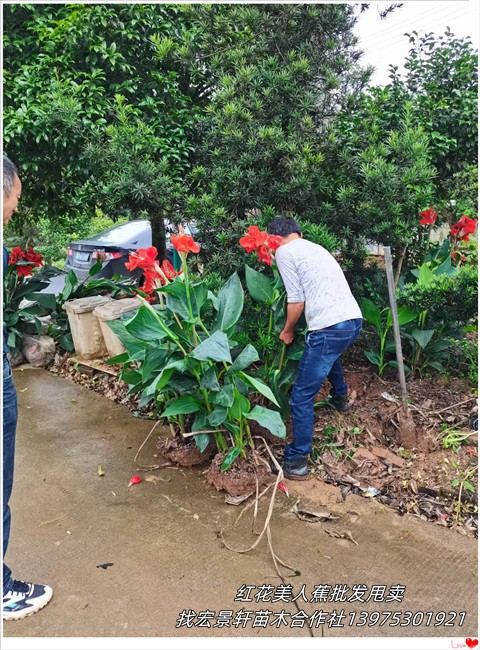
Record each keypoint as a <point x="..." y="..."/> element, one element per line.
<point x="20" y="599"/>
<point x="315" y="282"/>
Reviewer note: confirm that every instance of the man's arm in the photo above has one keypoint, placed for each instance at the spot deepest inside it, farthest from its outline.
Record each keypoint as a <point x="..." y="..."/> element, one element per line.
<point x="294" y="311"/>
<point x="295" y="294"/>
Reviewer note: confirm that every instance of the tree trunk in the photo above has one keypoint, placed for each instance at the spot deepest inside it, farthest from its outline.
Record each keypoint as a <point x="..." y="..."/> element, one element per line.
<point x="159" y="239"/>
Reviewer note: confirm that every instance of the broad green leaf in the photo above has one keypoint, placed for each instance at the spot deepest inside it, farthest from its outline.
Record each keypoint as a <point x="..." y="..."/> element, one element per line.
<point x="155" y="360"/>
<point x="371" y="313"/>
<point x="229" y="458"/>
<point x="239" y="407"/>
<point x="269" y="419"/>
<point x="120" y="358"/>
<point x="259" y="386"/>
<point x="200" y="423"/>
<point x="373" y="357"/>
<point x="437" y="365"/>
<point x="217" y="416"/>
<point x="96" y="268"/>
<point x="425" y="274"/>
<point x="70" y="284"/>
<point x="38" y="325"/>
<point x="66" y="342"/>
<point x="131" y="377"/>
<point x="294" y="351"/>
<point x="182" y="406"/>
<point x="245" y="359"/>
<point x="224" y="396"/>
<point x="259" y="286"/>
<point x="446" y="267"/>
<point x="215" y="348"/>
<point x="406" y="315"/>
<point x="160" y="381"/>
<point x="32" y="310"/>
<point x="213" y="299"/>
<point x="439" y="346"/>
<point x="48" y="300"/>
<point x="422" y="337"/>
<point x="131" y="343"/>
<point x="230" y="304"/>
<point x="145" y="326"/>
<point x="209" y="380"/>
<point x="202" y="441"/>
<point x="177" y="300"/>
<point x="199" y="294"/>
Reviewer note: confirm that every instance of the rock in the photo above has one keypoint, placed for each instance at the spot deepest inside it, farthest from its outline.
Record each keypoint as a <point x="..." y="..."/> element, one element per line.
<point x="17" y="359"/>
<point x="39" y="350"/>
<point x="389" y="456"/>
<point x="364" y="454"/>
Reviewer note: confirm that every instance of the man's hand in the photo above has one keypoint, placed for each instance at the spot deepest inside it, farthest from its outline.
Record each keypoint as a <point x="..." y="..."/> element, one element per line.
<point x="287" y="336"/>
<point x="294" y="311"/>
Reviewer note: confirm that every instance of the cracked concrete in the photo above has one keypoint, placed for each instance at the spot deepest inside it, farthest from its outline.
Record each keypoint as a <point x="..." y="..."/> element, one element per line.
<point x="162" y="537"/>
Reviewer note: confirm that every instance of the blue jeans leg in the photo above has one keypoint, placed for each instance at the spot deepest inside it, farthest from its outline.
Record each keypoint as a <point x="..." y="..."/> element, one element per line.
<point x="10" y="415"/>
<point x="322" y="351"/>
<point x="337" y="380"/>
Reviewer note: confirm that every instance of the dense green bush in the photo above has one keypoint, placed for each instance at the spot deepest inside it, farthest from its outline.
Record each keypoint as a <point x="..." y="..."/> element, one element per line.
<point x="449" y="300"/>
<point x="464" y="360"/>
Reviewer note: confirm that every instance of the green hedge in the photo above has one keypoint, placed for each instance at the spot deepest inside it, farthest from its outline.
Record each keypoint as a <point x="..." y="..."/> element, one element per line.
<point x="448" y="300"/>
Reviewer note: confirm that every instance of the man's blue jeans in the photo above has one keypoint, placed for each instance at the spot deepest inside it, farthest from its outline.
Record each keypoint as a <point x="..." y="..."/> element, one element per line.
<point x="320" y="361"/>
<point x="10" y="415"/>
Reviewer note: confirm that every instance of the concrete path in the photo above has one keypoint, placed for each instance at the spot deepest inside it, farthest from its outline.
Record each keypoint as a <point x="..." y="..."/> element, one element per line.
<point x="161" y="538"/>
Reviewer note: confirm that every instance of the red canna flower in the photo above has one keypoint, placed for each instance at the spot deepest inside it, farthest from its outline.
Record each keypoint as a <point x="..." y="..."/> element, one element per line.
<point x="428" y="216"/>
<point x="264" y="255"/>
<point x="19" y="259"/>
<point x="150" y="284"/>
<point x="35" y="258"/>
<point x="254" y="239"/>
<point x="184" y="244"/>
<point x="261" y="242"/>
<point x="273" y="242"/>
<point x="168" y="270"/>
<point x="463" y="228"/>
<point x="143" y="258"/>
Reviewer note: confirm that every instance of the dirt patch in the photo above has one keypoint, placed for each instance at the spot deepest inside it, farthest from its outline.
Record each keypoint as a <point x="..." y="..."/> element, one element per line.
<point x="241" y="478"/>
<point x="436" y="479"/>
<point x="184" y="451"/>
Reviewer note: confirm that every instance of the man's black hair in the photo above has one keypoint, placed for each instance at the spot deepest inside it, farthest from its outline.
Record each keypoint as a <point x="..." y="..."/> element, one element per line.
<point x="284" y="226"/>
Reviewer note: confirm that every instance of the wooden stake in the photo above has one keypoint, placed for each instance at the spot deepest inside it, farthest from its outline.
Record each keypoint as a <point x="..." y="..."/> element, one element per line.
<point x="396" y="326"/>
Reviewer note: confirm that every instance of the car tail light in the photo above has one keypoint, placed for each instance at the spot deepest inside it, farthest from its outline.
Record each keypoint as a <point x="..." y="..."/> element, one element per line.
<point x="105" y="257"/>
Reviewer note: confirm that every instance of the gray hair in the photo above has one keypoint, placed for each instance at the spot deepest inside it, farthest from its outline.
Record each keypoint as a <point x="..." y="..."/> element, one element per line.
<point x="9" y="173"/>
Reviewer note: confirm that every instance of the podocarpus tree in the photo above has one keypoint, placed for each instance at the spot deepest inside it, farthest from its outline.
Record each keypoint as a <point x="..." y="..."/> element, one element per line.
<point x="406" y="146"/>
<point x="64" y="66"/>
<point x="441" y="80"/>
<point x="279" y="82"/>
<point x="378" y="179"/>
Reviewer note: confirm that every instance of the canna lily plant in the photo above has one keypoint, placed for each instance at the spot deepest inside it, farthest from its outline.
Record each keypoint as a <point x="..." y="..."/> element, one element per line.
<point x="182" y="355"/>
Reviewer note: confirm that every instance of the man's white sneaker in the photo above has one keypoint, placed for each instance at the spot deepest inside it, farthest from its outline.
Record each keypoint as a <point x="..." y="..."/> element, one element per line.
<point x="24" y="599"/>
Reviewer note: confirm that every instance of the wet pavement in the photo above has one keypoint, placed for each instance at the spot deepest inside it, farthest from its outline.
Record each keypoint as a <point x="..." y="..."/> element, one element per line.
<point x="160" y="540"/>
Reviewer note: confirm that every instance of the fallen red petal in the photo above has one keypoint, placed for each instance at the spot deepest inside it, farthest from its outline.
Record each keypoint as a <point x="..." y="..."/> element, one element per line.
<point x="283" y="488"/>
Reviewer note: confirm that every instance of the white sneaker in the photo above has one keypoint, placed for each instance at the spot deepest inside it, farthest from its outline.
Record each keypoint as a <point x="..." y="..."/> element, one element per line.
<point x="24" y="599"/>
